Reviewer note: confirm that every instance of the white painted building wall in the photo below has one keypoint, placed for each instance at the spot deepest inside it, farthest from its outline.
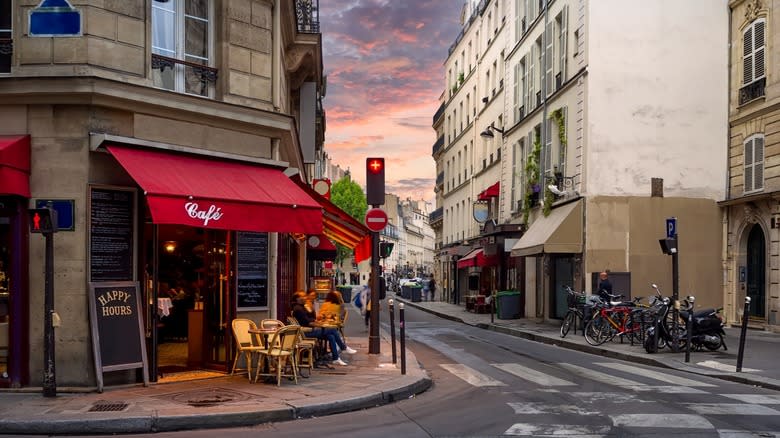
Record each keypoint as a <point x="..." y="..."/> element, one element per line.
<point x="657" y="97"/>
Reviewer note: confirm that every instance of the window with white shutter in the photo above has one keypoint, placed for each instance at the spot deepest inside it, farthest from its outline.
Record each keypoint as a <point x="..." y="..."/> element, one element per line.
<point x="516" y="94"/>
<point x="563" y="37"/>
<point x="548" y="60"/>
<point x="753" y="52"/>
<point x="531" y="103"/>
<point x="547" y="163"/>
<point x="754" y="163"/>
<point x="524" y="88"/>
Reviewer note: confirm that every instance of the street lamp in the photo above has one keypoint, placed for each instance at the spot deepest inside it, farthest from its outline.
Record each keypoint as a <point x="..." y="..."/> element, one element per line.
<point x="487" y="133"/>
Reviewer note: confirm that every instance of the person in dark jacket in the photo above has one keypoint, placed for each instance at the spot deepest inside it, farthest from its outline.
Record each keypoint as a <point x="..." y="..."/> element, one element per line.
<point x="605" y="286"/>
<point x="306" y="317"/>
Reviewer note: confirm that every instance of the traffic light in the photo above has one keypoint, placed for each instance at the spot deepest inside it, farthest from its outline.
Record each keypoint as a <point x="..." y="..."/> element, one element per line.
<point x="375" y="181"/>
<point x="43" y="220"/>
<point x="385" y="249"/>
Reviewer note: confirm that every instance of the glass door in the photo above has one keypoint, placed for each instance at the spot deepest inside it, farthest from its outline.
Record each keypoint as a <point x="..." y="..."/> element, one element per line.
<point x="216" y="297"/>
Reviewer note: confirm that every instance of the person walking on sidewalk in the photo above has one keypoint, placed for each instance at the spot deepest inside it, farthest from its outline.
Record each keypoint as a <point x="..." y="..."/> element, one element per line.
<point x="432" y="287"/>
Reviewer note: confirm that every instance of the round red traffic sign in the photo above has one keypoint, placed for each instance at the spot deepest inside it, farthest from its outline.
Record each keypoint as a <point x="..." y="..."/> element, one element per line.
<point x="376" y="219"/>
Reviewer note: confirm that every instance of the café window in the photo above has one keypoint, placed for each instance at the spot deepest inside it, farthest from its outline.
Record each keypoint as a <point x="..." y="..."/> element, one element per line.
<point x="6" y="41"/>
<point x="183" y="46"/>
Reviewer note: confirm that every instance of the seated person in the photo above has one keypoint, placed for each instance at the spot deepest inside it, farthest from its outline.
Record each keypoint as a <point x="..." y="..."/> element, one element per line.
<point x="331" y="310"/>
<point x="305" y="318"/>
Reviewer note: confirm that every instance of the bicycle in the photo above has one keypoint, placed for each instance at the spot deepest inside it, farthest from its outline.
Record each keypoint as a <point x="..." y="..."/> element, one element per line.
<point x="576" y="303"/>
<point x="615" y="320"/>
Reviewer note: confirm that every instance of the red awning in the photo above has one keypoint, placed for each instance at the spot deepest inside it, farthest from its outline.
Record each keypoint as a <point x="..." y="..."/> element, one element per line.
<point x="490" y="192"/>
<point x="476" y="258"/>
<point x="319" y="247"/>
<point x="207" y="192"/>
<point x="341" y="227"/>
<point x="15" y="165"/>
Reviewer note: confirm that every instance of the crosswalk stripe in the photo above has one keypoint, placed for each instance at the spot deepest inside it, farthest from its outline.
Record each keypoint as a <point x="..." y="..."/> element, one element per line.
<point x="599" y="376"/>
<point x="664" y="377"/>
<point x="759" y="399"/>
<point x="731" y="409"/>
<point x="580" y="431"/>
<point x="532" y="375"/>
<point x="470" y="375"/>
<point x="525" y="408"/>
<point x="676" y="421"/>
<point x="746" y="434"/>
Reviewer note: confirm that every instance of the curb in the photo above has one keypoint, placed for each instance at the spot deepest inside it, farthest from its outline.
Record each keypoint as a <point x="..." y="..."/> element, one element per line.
<point x="760" y="381"/>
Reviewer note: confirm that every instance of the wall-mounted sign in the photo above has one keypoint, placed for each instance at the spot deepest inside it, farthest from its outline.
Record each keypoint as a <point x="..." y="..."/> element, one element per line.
<point x="481" y="211"/>
<point x="252" y="271"/>
<point x="65" y="208"/>
<point x="111" y="233"/>
<point x="54" y="18"/>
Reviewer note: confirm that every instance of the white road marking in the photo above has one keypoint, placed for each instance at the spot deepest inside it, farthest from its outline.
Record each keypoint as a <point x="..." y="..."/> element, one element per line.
<point x="731" y="409"/>
<point x="544" y="408"/>
<point x="759" y="399"/>
<point x="470" y="375"/>
<point x="675" y="421"/>
<point x="599" y="376"/>
<point x="532" y="375"/>
<point x="669" y="389"/>
<point x="613" y="397"/>
<point x="746" y="434"/>
<point x="579" y="431"/>
<point x="664" y="377"/>
<point x="725" y="367"/>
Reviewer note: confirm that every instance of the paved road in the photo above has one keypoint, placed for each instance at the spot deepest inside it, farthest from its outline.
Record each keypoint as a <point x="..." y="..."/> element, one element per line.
<point x="491" y="384"/>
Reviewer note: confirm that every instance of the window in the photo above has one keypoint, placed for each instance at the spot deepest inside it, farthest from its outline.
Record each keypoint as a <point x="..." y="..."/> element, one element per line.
<point x="547" y="84"/>
<point x="182" y="38"/>
<point x="753" y="52"/>
<point x="754" y="163"/>
<point x="547" y="164"/>
<point x="6" y="42"/>
<point x="562" y="40"/>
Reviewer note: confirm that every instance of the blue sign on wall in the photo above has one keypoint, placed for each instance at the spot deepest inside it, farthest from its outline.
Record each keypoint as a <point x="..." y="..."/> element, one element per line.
<point x="671" y="227"/>
<point x="65" y="209"/>
<point x="54" y="18"/>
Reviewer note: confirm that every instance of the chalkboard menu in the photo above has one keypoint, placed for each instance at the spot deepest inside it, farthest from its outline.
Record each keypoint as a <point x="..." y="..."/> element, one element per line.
<point x="117" y="333"/>
<point x="252" y="271"/>
<point x="111" y="234"/>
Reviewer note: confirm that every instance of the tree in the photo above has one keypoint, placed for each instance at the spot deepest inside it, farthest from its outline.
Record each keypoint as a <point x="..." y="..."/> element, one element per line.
<point x="348" y="196"/>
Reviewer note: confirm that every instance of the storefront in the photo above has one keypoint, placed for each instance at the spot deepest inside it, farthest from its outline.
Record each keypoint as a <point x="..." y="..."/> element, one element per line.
<point x="14" y="195"/>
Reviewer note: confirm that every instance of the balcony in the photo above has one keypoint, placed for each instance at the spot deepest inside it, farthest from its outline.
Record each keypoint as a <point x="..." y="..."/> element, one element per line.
<point x="308" y="15"/>
<point x="436" y="216"/>
<point x="437" y="146"/>
<point x="438" y="114"/>
<point x="752" y="91"/>
<point x="440" y="179"/>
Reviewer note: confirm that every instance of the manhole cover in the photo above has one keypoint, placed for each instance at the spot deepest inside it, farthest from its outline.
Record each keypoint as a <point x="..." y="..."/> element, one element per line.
<point x="210" y="397"/>
<point x="106" y="406"/>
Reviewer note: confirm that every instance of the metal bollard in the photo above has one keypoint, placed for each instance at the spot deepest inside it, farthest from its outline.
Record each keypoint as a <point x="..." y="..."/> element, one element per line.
<point x="656" y="326"/>
<point x="743" y="334"/>
<point x="689" y="329"/>
<point x="402" y="326"/>
<point x="392" y="327"/>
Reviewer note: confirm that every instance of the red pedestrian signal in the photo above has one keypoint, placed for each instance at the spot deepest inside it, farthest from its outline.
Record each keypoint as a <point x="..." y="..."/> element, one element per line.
<point x="375" y="181"/>
<point x="43" y="220"/>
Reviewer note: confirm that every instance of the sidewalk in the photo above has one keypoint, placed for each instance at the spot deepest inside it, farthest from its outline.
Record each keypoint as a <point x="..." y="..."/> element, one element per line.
<point x="759" y="365"/>
<point x="226" y="401"/>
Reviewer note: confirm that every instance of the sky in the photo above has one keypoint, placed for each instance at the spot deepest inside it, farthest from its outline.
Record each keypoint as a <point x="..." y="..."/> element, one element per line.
<point x="384" y="60"/>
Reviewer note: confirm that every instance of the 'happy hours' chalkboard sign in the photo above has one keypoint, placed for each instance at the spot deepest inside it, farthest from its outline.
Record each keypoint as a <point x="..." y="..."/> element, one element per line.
<point x="117" y="331"/>
<point x="252" y="271"/>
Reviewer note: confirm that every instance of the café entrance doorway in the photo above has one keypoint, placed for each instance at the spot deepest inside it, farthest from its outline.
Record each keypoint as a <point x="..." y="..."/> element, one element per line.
<point x="190" y="305"/>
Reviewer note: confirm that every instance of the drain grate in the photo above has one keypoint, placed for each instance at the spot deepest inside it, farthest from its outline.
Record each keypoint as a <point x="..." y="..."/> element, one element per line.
<point x="106" y="406"/>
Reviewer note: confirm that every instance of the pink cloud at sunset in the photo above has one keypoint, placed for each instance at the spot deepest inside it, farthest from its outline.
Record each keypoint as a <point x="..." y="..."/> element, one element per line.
<point x="384" y="61"/>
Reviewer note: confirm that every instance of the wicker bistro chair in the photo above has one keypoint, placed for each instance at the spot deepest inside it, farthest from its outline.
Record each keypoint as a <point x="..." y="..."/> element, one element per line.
<point x="304" y="353"/>
<point x="271" y="324"/>
<point x="280" y="353"/>
<point x="247" y="345"/>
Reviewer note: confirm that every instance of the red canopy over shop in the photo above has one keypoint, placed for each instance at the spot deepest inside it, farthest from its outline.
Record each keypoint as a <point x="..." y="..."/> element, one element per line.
<point x="319" y="247"/>
<point x="207" y="192"/>
<point x="15" y="165"/>
<point x="476" y="258"/>
<point x="490" y="192"/>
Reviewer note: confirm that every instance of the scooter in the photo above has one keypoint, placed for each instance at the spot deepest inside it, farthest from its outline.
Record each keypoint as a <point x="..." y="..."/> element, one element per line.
<point x="661" y="332"/>
<point x="707" y="330"/>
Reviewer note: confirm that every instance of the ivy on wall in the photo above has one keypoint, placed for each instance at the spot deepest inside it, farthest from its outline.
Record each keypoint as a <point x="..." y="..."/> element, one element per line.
<point x="532" y="173"/>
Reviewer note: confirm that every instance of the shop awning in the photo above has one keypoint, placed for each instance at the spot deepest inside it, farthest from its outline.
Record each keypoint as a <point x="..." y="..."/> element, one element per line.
<point x="490" y="192"/>
<point x="340" y="227"/>
<point x="560" y="232"/>
<point x="476" y="258"/>
<point x="205" y="192"/>
<point x="15" y="165"/>
<point x="319" y="247"/>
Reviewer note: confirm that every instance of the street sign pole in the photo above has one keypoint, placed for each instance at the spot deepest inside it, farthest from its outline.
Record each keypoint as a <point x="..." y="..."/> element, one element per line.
<point x="373" y="336"/>
<point x="671" y="233"/>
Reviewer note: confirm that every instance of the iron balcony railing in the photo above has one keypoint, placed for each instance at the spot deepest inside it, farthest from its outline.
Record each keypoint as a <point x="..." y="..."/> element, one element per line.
<point x="752" y="91"/>
<point x="436" y="215"/>
<point x="438" y="114"/>
<point x="308" y="14"/>
<point x="440" y="179"/>
<point x="438" y="145"/>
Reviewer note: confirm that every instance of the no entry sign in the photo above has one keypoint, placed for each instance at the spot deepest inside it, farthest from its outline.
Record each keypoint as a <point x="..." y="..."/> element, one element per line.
<point x="376" y="219"/>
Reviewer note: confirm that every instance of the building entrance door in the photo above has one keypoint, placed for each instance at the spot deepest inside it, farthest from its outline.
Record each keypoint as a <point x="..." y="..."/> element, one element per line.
<point x="756" y="272"/>
<point x="563" y="275"/>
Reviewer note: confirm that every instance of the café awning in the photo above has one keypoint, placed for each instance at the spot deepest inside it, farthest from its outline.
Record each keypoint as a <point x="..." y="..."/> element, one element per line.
<point x="199" y="191"/>
<point x="15" y="165"/>
<point x="477" y="258"/>
<point x="340" y="227"/>
<point x="560" y="232"/>
<point x="490" y="192"/>
<point x="319" y="247"/>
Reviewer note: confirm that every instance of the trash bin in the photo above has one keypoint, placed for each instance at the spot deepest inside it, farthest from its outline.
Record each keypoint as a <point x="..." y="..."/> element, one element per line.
<point x="416" y="293"/>
<point x="405" y="292"/>
<point x="346" y="293"/>
<point x="509" y="304"/>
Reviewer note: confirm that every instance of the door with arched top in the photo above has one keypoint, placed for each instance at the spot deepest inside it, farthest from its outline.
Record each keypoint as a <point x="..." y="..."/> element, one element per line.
<point x="756" y="272"/>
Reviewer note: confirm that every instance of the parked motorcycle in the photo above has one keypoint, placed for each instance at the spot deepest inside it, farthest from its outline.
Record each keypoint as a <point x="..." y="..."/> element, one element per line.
<point x="707" y="330"/>
<point x="662" y="331"/>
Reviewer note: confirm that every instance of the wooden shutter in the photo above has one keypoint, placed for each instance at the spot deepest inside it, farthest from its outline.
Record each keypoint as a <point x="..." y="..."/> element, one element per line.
<point x="749" y="165"/>
<point x="758" y="163"/>
<point x="548" y="59"/>
<point x="531" y="94"/>
<point x="564" y="41"/>
<point x="758" y="49"/>
<point x="747" y="56"/>
<point x="516" y="93"/>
